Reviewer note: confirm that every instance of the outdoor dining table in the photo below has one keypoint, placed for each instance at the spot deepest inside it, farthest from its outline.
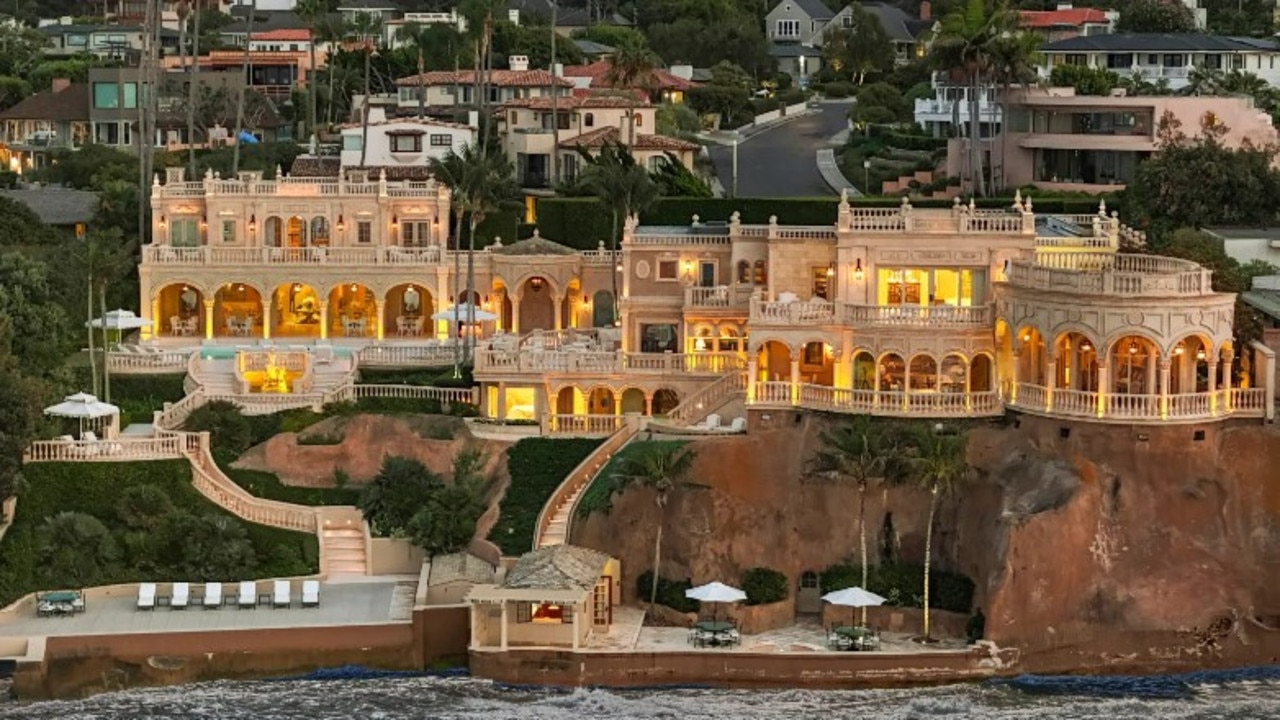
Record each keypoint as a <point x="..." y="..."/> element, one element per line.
<point x="714" y="626"/>
<point x="714" y="633"/>
<point x="863" y="638"/>
<point x="60" y="602"/>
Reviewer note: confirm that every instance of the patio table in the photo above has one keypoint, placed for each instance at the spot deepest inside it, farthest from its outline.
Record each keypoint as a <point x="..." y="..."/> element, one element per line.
<point x="852" y="632"/>
<point x="713" y="626"/>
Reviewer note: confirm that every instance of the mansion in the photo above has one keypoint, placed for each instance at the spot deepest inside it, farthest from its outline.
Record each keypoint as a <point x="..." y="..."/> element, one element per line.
<point x="899" y="311"/>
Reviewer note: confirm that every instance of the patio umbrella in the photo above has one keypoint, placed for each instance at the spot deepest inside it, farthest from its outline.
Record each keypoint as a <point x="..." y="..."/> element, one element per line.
<point x="82" y="406"/>
<point x="853" y="597"/>
<point x="119" y="320"/>
<point x="462" y="312"/>
<point x="715" y="592"/>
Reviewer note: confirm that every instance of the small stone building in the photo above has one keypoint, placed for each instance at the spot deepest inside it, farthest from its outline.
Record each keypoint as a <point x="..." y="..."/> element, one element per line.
<point x="452" y="576"/>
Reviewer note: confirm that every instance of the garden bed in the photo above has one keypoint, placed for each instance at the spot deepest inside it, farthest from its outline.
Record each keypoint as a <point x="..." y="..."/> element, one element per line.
<point x="536" y="467"/>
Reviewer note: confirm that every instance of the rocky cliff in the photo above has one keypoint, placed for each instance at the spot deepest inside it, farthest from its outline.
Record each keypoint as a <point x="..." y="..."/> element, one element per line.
<point x="1138" y="546"/>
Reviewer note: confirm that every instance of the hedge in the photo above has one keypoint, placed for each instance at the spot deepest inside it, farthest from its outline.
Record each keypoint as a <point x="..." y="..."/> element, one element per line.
<point x="765" y="585"/>
<point x="267" y="485"/>
<point x="94" y="489"/>
<point x="670" y="592"/>
<point x="536" y="467"/>
<point x="902" y="584"/>
<point x="598" y="497"/>
<point x="578" y="222"/>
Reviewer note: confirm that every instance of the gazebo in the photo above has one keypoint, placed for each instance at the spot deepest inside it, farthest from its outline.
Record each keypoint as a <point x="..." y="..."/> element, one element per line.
<point x="100" y="418"/>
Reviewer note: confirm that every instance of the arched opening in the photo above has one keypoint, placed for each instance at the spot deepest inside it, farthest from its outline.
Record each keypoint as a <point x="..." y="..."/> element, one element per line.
<point x="601" y="402"/>
<point x="1004" y="355"/>
<point x="744" y="272"/>
<point x="864" y="371"/>
<point x="352" y="311"/>
<point x="953" y="374"/>
<point x="761" y="272"/>
<point x="295" y="311"/>
<point x="180" y="311"/>
<point x="1031" y="356"/>
<point x="537" y="306"/>
<point x="1134" y="366"/>
<point x="1077" y="362"/>
<point x="730" y="340"/>
<point x="602" y="309"/>
<point x="407" y="311"/>
<point x="664" y="401"/>
<point x="817" y="365"/>
<point x="1189" y="365"/>
<point x="472" y="297"/>
<point x="893" y="373"/>
<point x="296" y="232"/>
<point x="320" y="231"/>
<point x="980" y="374"/>
<point x="237" y="311"/>
<point x="702" y="340"/>
<point x="773" y="362"/>
<point x="564" y="401"/>
<point x="567" y="303"/>
<point x="273" y="232"/>
<point x="633" y="401"/>
<point x="924" y="373"/>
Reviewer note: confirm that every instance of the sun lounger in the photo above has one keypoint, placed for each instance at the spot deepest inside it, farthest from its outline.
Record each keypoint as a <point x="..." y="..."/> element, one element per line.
<point x="739" y="424"/>
<point x="147" y="596"/>
<point x="310" y="593"/>
<point x="248" y="595"/>
<point x="281" y="596"/>
<point x="181" y="596"/>
<point x="712" y="422"/>
<point x="212" y="596"/>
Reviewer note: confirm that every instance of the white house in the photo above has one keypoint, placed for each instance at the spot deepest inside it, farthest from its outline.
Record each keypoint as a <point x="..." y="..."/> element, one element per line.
<point x="1166" y="57"/>
<point x="401" y="142"/>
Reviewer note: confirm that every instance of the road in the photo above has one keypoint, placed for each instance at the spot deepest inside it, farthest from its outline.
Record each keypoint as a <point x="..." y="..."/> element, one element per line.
<point x="780" y="161"/>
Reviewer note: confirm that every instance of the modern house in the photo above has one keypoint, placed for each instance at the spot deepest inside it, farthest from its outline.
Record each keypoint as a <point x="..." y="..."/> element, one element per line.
<point x="1168" y="58"/>
<point x="104" y="41"/>
<point x="47" y="121"/>
<point x="1059" y="140"/>
<point x="1066" y="22"/>
<point x="950" y="104"/>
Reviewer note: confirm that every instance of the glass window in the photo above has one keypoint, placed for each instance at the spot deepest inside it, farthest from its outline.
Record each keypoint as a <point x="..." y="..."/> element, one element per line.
<point x="228" y="231"/>
<point x="441" y="140"/>
<point x="668" y="269"/>
<point x="130" y="95"/>
<point x="589" y="120"/>
<point x="106" y="95"/>
<point x="406" y="143"/>
<point x="364" y="232"/>
<point x="352" y="142"/>
<point x="657" y="338"/>
<point x="184" y="232"/>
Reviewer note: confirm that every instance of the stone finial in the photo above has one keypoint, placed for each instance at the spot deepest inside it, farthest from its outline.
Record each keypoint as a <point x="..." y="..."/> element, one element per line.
<point x="736" y="217"/>
<point x="905" y="202"/>
<point x="1027" y="204"/>
<point x="972" y="205"/>
<point x="1115" y="215"/>
<point x="773" y="219"/>
<point x="279" y="171"/>
<point x="695" y="221"/>
<point x="844" y="195"/>
<point x="1017" y="199"/>
<point x="955" y="201"/>
<point x="1102" y="207"/>
<point x="208" y="173"/>
<point x="156" y="180"/>
<point x="536" y="235"/>
<point x="600" y="246"/>
<point x="217" y="175"/>
<point x="497" y="241"/>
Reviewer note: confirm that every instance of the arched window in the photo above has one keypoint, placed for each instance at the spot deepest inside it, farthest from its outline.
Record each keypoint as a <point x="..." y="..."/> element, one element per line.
<point x="273" y="232"/>
<point x="320" y="231"/>
<point x="639" y="119"/>
<point x="744" y="272"/>
<point x="762" y="273"/>
<point x="589" y="120"/>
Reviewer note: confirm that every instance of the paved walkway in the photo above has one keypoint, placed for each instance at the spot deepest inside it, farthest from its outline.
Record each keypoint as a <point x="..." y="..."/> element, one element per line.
<point x="375" y="600"/>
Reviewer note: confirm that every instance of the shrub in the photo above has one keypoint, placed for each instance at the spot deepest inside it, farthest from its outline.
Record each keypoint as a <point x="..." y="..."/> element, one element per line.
<point x="670" y="592"/>
<point x="320" y="439"/>
<point x="268" y="485"/>
<point x="902" y="584"/>
<point x="230" y="431"/>
<point x="838" y="89"/>
<point x="401" y="488"/>
<point x="536" y="467"/>
<point x="764" y="585"/>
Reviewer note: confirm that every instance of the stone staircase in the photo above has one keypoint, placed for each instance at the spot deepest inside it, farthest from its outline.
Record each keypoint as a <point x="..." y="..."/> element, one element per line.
<point x="557" y="515"/>
<point x="343" y="551"/>
<point x="557" y="532"/>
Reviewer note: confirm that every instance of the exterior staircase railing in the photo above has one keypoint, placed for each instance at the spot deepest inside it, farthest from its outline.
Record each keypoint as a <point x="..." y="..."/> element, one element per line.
<point x="582" y="475"/>
<point x="708" y="398"/>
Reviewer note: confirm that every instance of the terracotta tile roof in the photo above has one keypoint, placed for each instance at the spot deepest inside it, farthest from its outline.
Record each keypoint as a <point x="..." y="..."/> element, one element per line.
<point x="69" y="104"/>
<point x="579" y="102"/>
<point x="561" y="567"/>
<point x="611" y="135"/>
<point x="599" y="72"/>
<point x="1068" y="17"/>
<point x="290" y="34"/>
<point x="500" y="78"/>
<point x="311" y="166"/>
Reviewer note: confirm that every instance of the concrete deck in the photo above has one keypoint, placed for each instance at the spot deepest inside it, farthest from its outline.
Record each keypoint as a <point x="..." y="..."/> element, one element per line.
<point x="375" y="600"/>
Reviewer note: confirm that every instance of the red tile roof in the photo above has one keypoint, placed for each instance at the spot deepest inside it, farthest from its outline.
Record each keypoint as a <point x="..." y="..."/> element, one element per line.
<point x="1068" y="17"/>
<point x="612" y="135"/>
<point x="288" y="34"/>
<point x="579" y="102"/>
<point x="500" y="78"/>
<point x="599" y="72"/>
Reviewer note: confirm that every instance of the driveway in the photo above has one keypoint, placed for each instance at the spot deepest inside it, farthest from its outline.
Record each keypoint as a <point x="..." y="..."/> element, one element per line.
<point x="780" y="161"/>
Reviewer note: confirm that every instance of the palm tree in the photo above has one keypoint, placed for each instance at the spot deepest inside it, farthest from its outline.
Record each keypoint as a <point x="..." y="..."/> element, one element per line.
<point x="962" y="48"/>
<point x="330" y="30"/>
<point x="452" y="171"/>
<point x="660" y="466"/>
<point x="193" y="10"/>
<point x="235" y="151"/>
<point x="416" y="35"/>
<point x="1015" y="60"/>
<point x="614" y="177"/>
<point x="938" y="464"/>
<point x="630" y="69"/>
<point x="860" y="450"/>
<point x="311" y="12"/>
<point x="480" y="14"/>
<point x="364" y="30"/>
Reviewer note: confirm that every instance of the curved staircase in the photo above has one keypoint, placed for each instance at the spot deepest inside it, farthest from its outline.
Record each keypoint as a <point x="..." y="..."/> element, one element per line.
<point x="557" y="513"/>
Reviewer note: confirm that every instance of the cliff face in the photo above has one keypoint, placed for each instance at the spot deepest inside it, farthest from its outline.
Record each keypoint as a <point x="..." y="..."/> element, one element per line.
<point x="1110" y="542"/>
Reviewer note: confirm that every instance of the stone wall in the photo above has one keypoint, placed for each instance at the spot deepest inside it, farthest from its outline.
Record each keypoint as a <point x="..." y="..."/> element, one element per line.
<point x="908" y="620"/>
<point x="394" y="556"/>
<point x="755" y="619"/>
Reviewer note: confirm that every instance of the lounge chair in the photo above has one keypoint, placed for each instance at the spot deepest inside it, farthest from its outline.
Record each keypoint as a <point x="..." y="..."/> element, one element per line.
<point x="712" y="422"/>
<point x="181" y="596"/>
<point x="146" y="596"/>
<point x="739" y="424"/>
<point x="281" y="596"/>
<point x="248" y="595"/>
<point x="310" y="593"/>
<point x="212" y="596"/>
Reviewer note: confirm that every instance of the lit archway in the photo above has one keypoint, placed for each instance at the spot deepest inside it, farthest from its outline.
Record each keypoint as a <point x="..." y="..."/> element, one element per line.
<point x="817" y="366"/>
<point x="773" y="362"/>
<point x="864" y="371"/>
<point x="664" y="401"/>
<point x="179" y="311"/>
<point x="1189" y="365"/>
<point x="892" y="373"/>
<point x="320" y="231"/>
<point x="296" y="232"/>
<point x="237" y="311"/>
<point x="295" y="311"/>
<point x="1032" y="363"/>
<point x="537" y="305"/>
<point x="980" y="374"/>
<point x="923" y="373"/>
<point x="953" y="374"/>
<point x="1077" y="362"/>
<point x="352" y="311"/>
<point x="601" y="401"/>
<point x="1134" y="364"/>
<point x="407" y="311"/>
<point x="565" y="401"/>
<point x="633" y="401"/>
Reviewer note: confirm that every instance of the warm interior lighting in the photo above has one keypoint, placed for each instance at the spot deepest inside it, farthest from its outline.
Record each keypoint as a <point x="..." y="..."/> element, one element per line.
<point x="353" y="287"/>
<point x="586" y="301"/>
<point x="536" y="283"/>
<point x="1179" y="350"/>
<point x="341" y="225"/>
<point x="1026" y="337"/>
<point x="857" y="270"/>
<point x="1200" y="354"/>
<point x="1086" y="346"/>
<point x="1133" y="347"/>
<point x="618" y="267"/>
<point x="831" y="270"/>
<point x="700" y="344"/>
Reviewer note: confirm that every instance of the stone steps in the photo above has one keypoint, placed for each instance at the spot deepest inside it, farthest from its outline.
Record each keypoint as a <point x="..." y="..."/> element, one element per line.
<point x="344" y="552"/>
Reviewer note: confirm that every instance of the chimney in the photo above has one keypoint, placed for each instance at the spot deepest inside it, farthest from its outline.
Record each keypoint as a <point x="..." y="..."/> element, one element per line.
<point x="519" y="63"/>
<point x="60" y="84"/>
<point x="926" y="10"/>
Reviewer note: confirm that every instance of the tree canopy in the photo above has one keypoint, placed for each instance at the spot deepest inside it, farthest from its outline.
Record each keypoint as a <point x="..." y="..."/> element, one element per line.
<point x="1155" y="16"/>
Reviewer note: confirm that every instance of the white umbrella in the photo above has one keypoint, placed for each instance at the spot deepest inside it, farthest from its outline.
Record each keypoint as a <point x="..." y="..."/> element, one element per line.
<point x="462" y="312"/>
<point x="82" y="406"/>
<point x="715" y="592"/>
<point x="119" y="320"/>
<point x="853" y="597"/>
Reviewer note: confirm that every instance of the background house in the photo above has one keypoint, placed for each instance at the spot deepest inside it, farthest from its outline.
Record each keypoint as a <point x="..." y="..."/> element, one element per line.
<point x="47" y="121"/>
<point x="404" y="146"/>
<point x="797" y="22"/>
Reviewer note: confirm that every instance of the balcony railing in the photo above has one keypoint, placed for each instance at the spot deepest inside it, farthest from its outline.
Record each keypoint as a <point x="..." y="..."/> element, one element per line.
<point x="298" y="187"/>
<point x="724" y="297"/>
<point x="1247" y="402"/>
<point x="240" y="256"/>
<point x="872" y="402"/>
<point x="570" y="362"/>
<point x="849" y="314"/>
<point x="1118" y="275"/>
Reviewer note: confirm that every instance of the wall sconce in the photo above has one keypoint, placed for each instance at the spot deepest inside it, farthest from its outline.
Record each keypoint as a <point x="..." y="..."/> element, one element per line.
<point x="1133" y="347"/>
<point x="831" y="270"/>
<point x="857" y="270"/>
<point x="1085" y="346"/>
<point x="586" y="301"/>
<point x="535" y="283"/>
<point x="204" y="221"/>
<point x="341" y="224"/>
<point x="618" y="267"/>
<point x="395" y="220"/>
<point x="1200" y="354"/>
<point x="163" y="223"/>
<point x="253" y="223"/>
<point x="1026" y="336"/>
<point x="1179" y="350"/>
<point x="354" y="287"/>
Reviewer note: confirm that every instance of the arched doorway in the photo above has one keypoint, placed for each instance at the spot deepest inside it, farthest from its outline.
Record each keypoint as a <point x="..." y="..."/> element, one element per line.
<point x="864" y="371"/>
<point x="179" y="311"/>
<point x="407" y="311"/>
<point x="295" y="311"/>
<point x="1134" y="366"/>
<point x="817" y="366"/>
<point x="953" y="374"/>
<point x="602" y="309"/>
<point x="980" y="374"/>
<point x="537" y="306"/>
<point x="923" y="373"/>
<point x="273" y="232"/>
<point x="664" y="401"/>
<point x="600" y="401"/>
<point x="1077" y="362"/>
<point x="633" y="401"/>
<point x="237" y="311"/>
<point x="565" y="401"/>
<point x="1004" y="356"/>
<point x="773" y="362"/>
<point x="892" y="373"/>
<point x="296" y="232"/>
<point x="352" y="311"/>
<point x="320" y="231"/>
<point x="1189" y="365"/>
<point x="1031" y="356"/>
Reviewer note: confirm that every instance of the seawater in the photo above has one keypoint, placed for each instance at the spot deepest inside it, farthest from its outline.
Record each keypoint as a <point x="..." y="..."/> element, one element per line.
<point x="466" y="699"/>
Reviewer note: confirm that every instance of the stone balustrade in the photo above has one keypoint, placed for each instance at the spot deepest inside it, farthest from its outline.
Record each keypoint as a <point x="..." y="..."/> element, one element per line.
<point x="850" y="314"/>
<point x="582" y="425"/>
<point x="392" y="256"/>
<point x="116" y="450"/>
<point x="580" y="362"/>
<point x="1122" y="407"/>
<point x="1121" y="275"/>
<point x="302" y="187"/>
<point x="871" y="402"/>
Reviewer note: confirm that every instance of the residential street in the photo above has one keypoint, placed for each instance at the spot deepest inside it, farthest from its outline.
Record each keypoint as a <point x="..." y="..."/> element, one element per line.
<point x="780" y="161"/>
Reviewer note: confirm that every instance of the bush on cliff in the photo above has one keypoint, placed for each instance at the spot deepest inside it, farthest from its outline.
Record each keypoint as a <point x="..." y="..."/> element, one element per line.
<point x="536" y="467"/>
<point x="764" y="585"/>
<point x="903" y="584"/>
<point x="670" y="592"/>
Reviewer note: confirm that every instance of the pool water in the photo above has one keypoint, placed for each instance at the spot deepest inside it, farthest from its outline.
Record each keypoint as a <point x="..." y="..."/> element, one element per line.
<point x="227" y="352"/>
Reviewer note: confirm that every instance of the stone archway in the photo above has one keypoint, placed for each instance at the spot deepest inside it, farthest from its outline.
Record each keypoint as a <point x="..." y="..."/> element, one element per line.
<point x="237" y="311"/>
<point x="352" y="311"/>
<point x="295" y="311"/>
<point x="179" y="311"/>
<point x="407" y="311"/>
<point x="537" y="305"/>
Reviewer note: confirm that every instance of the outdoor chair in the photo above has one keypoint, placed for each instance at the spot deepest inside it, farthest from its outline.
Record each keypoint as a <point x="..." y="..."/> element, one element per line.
<point x="310" y="593"/>
<point x="181" y="596"/>
<point x="739" y="425"/>
<point x="212" y="596"/>
<point x="248" y="595"/>
<point x="282" y="596"/>
<point x="712" y="422"/>
<point x="146" y="596"/>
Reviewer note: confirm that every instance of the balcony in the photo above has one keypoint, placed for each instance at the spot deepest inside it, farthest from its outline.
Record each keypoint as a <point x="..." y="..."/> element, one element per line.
<point x="312" y="256"/>
<point x="1114" y="275"/>
<point x="302" y="187"/>
<point x="1120" y="407"/>
<point x="531" y="140"/>
<point x="571" y="362"/>
<point x="728" y="298"/>
<point x="853" y="315"/>
<point x="872" y="402"/>
<point x="943" y="111"/>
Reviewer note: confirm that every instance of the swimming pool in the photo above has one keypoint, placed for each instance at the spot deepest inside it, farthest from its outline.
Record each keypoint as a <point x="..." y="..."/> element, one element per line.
<point x="227" y="352"/>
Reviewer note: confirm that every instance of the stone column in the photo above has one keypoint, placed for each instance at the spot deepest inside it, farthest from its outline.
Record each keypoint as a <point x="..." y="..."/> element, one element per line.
<point x="1051" y="381"/>
<point x="576" y="613"/>
<point x="1153" y="377"/>
<point x="753" y="373"/>
<point x="266" y="319"/>
<point x="1165" y="367"/>
<point x="208" y="319"/>
<point x="1225" y="382"/>
<point x="503" y="630"/>
<point x="377" y="319"/>
<point x="557" y="306"/>
<point x="324" y="319"/>
<point x="1104" y="388"/>
<point x="475" y="632"/>
<point x="157" y="322"/>
<point x="1212" y="365"/>
<point x="648" y="401"/>
<point x="515" y="314"/>
<point x="1015" y="357"/>
<point x="795" y="379"/>
<point x="502" y="401"/>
